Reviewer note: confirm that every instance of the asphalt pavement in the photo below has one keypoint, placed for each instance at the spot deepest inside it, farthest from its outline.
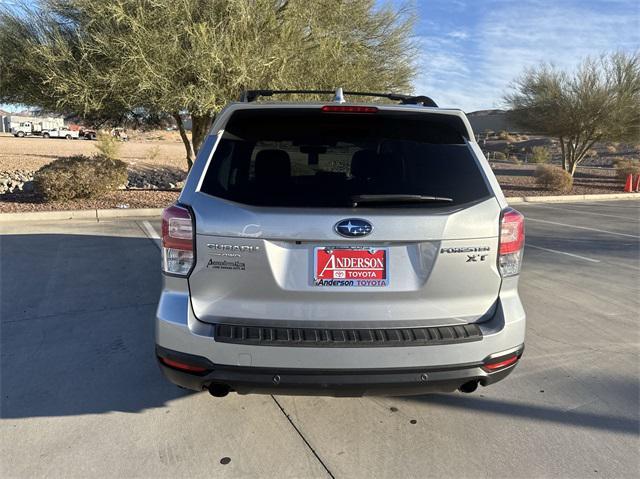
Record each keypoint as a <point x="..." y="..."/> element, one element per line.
<point x="81" y="395"/>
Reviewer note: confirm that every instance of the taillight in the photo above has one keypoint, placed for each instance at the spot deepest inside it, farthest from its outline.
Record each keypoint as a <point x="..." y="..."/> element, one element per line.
<point x="349" y="109"/>
<point x="511" y="242"/>
<point x="177" y="240"/>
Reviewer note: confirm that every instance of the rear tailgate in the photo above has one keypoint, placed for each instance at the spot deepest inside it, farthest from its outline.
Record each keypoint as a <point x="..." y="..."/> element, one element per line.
<point x="279" y="183"/>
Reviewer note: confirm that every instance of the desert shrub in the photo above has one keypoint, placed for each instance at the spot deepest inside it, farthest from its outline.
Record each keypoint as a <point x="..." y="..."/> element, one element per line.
<point x="108" y="146"/>
<point x="79" y="177"/>
<point x="503" y="135"/>
<point x="540" y="154"/>
<point x="153" y="153"/>
<point x="499" y="155"/>
<point x="620" y="161"/>
<point x="553" y="177"/>
<point x="625" y="168"/>
<point x="612" y="149"/>
<point x="515" y="160"/>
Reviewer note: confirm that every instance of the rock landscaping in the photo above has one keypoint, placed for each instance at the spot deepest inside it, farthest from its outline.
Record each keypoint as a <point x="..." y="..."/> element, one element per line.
<point x="156" y="179"/>
<point x="145" y="188"/>
<point x="21" y="181"/>
<point x="17" y="181"/>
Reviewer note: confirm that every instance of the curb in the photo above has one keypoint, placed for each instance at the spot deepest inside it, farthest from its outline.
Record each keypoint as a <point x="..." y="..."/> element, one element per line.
<point x="95" y="215"/>
<point x="98" y="215"/>
<point x="572" y="198"/>
<point x="127" y="213"/>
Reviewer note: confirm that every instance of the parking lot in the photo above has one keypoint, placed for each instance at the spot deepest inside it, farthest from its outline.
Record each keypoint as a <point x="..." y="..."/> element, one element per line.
<point x="81" y="394"/>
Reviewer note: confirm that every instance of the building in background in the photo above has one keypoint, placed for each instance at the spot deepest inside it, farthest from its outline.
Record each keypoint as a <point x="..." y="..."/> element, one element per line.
<point x="5" y="121"/>
<point x="483" y="121"/>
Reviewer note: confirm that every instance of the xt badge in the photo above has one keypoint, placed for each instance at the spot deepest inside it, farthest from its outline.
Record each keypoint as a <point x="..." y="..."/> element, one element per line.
<point x="475" y="254"/>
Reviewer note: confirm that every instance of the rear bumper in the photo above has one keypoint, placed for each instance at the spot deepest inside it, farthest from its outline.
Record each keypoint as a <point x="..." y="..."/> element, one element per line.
<point x="329" y="369"/>
<point x="333" y="382"/>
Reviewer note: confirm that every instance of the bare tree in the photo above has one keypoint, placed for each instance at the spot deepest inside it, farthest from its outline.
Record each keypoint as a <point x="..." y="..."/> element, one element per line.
<point x="599" y="102"/>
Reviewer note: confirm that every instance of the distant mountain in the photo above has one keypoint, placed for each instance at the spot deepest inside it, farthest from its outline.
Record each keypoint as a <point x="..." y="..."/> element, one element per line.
<point x="487" y="112"/>
<point x="495" y="120"/>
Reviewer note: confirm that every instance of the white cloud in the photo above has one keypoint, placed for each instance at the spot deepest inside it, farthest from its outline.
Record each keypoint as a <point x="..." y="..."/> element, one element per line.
<point x="513" y="36"/>
<point x="458" y="34"/>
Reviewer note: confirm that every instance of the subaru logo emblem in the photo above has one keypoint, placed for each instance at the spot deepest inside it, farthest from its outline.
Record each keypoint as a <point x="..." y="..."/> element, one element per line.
<point x="353" y="227"/>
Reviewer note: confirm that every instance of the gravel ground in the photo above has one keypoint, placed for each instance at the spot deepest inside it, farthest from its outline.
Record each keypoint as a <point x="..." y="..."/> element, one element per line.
<point x="160" y="149"/>
<point x="14" y="203"/>
<point x="518" y="180"/>
<point x="157" y="151"/>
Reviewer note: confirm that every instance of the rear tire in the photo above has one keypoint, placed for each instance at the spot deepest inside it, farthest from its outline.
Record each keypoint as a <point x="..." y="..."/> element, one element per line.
<point x="67" y="137"/>
<point x="45" y="135"/>
<point x="20" y="134"/>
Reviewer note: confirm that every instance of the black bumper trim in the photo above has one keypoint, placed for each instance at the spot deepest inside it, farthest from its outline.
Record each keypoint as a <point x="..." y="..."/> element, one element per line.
<point x="327" y="382"/>
<point x="346" y="338"/>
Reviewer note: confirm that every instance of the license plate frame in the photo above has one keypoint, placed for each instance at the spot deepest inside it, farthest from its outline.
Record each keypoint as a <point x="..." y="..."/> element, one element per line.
<point x="350" y="267"/>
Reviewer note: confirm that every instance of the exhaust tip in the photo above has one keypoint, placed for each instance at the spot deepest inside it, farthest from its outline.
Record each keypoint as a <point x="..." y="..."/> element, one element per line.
<point x="468" y="387"/>
<point x="219" y="390"/>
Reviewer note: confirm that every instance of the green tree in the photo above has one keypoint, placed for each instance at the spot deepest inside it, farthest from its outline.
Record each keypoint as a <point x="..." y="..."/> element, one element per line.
<point x="599" y="102"/>
<point x="107" y="59"/>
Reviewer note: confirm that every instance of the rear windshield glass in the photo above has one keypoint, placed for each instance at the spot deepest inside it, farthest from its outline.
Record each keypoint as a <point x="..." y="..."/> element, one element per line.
<point x="310" y="158"/>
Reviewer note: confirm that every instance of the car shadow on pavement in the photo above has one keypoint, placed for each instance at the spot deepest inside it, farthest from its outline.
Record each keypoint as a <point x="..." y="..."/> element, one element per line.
<point x="77" y="331"/>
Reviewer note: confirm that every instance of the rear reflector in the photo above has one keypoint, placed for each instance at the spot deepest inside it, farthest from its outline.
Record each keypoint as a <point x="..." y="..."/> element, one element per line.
<point x="511" y="242"/>
<point x="501" y="363"/>
<point x="182" y="366"/>
<point x="177" y="240"/>
<point x="349" y="109"/>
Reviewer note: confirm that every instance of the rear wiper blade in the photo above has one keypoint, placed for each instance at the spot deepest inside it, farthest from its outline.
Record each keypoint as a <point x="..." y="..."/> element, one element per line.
<point x="390" y="198"/>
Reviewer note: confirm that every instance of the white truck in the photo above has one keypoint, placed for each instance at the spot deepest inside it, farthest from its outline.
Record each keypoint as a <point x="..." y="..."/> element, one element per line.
<point x="44" y="129"/>
<point x="61" y="133"/>
<point x="27" y="128"/>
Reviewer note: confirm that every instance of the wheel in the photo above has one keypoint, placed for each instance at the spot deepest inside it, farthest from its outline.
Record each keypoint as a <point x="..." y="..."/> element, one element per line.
<point x="45" y="135"/>
<point x="20" y="134"/>
<point x="92" y="136"/>
<point x="67" y="137"/>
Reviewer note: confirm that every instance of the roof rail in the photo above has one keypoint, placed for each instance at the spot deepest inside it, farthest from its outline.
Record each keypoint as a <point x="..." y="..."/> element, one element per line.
<point x="253" y="95"/>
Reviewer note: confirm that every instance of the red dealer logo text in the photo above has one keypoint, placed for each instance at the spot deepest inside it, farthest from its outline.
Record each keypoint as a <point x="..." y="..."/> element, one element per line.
<point x="351" y="264"/>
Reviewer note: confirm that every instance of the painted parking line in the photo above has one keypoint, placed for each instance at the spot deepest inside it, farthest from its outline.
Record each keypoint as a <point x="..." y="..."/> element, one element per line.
<point x="528" y="218"/>
<point x="572" y="210"/>
<point x="563" y="252"/>
<point x="151" y="233"/>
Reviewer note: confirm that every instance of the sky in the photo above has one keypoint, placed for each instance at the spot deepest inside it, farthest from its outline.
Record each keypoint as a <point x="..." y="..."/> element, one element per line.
<point x="471" y="51"/>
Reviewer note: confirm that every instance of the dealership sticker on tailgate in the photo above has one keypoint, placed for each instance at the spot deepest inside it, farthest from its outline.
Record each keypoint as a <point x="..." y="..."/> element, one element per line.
<point x="351" y="267"/>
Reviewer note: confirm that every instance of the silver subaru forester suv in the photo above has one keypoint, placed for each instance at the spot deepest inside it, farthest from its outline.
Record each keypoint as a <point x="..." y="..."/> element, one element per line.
<point x="340" y="248"/>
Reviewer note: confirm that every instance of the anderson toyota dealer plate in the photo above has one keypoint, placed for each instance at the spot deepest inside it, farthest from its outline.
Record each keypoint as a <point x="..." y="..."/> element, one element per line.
<point x="351" y="267"/>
